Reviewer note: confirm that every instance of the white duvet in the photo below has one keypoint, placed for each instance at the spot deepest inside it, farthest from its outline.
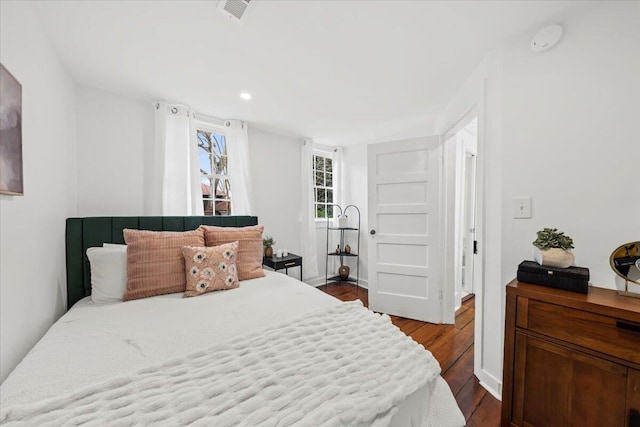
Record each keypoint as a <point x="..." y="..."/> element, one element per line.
<point x="91" y="344"/>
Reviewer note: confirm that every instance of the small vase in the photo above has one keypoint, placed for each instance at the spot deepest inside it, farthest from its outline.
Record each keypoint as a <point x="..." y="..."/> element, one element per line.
<point x="347" y="249"/>
<point x="554" y="257"/>
<point x="343" y="272"/>
<point x="268" y="252"/>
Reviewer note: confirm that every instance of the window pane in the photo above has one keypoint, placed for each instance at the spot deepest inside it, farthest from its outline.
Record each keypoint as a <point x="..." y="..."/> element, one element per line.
<point x="220" y="164"/>
<point x="223" y="207"/>
<point x="208" y="206"/>
<point x="329" y="181"/>
<point x="328" y="164"/>
<point x="329" y="211"/>
<point x="205" y="186"/>
<point x="321" y="195"/>
<point x="223" y="188"/>
<point x="204" y="152"/>
<point x="320" y="211"/>
<point x="319" y="163"/>
<point x="329" y="196"/>
<point x="319" y="179"/>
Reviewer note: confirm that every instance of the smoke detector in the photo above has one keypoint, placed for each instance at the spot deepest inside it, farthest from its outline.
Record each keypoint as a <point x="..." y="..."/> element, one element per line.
<point x="236" y="10"/>
<point x="546" y="38"/>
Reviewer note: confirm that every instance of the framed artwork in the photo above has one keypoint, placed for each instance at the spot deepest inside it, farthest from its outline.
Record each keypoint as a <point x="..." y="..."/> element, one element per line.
<point x="10" y="134"/>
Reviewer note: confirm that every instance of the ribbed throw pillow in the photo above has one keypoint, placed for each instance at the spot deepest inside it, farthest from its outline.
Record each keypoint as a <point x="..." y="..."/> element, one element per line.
<point x="210" y="268"/>
<point x="249" y="240"/>
<point x="155" y="265"/>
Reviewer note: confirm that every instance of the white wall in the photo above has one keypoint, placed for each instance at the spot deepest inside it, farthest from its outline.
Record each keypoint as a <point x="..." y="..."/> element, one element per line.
<point x="276" y="173"/>
<point x="559" y="127"/>
<point x="570" y="130"/>
<point x="115" y="154"/>
<point x="32" y="268"/>
<point x="355" y="193"/>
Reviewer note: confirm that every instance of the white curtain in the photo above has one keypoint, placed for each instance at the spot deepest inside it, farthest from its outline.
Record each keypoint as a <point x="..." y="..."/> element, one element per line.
<point x="176" y="161"/>
<point x="308" y="223"/>
<point x="239" y="167"/>
<point x="338" y="181"/>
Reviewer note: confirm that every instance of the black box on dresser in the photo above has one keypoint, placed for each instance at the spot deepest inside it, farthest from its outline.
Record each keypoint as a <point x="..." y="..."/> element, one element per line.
<point x="574" y="279"/>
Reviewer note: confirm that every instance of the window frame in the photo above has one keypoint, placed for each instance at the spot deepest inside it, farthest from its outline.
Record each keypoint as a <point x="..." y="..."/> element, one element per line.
<point x="327" y="154"/>
<point x="204" y="126"/>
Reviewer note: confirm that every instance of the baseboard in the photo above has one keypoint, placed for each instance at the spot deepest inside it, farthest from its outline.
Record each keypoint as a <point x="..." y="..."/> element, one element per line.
<point x="490" y="383"/>
<point x="315" y="282"/>
<point x="319" y="281"/>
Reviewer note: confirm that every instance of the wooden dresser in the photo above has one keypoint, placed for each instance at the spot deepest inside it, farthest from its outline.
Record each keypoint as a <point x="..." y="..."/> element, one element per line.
<point x="570" y="359"/>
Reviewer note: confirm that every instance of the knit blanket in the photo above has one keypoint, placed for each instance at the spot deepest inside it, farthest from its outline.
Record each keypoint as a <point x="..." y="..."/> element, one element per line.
<point x="339" y="366"/>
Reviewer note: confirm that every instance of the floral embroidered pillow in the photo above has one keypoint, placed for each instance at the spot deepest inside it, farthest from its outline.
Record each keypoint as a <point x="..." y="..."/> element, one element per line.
<point x="210" y="268"/>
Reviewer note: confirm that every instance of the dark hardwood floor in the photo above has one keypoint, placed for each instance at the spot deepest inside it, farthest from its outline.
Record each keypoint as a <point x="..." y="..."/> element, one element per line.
<point x="452" y="346"/>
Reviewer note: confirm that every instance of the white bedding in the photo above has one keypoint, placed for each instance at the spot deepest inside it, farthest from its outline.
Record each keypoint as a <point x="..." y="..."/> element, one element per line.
<point x="92" y="343"/>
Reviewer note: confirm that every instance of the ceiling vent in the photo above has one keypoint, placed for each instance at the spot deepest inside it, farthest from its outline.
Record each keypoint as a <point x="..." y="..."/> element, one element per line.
<point x="236" y="10"/>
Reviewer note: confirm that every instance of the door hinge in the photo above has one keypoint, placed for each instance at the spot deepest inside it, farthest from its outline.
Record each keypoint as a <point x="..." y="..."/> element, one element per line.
<point x="440" y="294"/>
<point x="475" y="247"/>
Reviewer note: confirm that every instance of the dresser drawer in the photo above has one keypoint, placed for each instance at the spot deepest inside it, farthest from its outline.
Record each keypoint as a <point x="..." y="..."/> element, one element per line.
<point x="604" y="334"/>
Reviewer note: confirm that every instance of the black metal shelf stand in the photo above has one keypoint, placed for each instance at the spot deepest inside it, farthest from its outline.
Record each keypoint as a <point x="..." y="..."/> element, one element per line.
<point x="342" y="253"/>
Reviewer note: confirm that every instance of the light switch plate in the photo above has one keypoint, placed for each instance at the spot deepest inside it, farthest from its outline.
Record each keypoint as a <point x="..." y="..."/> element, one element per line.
<point x="522" y="207"/>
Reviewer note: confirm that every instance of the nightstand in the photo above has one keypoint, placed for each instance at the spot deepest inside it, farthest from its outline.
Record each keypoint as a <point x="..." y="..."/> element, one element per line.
<point x="286" y="262"/>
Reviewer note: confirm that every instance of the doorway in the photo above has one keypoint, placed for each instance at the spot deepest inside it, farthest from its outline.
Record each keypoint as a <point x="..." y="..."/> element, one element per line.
<point x="461" y="151"/>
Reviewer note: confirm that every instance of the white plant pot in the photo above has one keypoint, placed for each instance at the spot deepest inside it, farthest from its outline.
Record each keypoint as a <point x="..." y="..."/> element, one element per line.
<point x="554" y="257"/>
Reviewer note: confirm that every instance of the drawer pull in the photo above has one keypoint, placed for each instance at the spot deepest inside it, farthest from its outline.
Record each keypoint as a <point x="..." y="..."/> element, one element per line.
<point x="628" y="326"/>
<point x="289" y="264"/>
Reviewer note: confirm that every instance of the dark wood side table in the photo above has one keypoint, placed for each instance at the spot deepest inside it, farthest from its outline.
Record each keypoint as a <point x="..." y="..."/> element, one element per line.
<point x="286" y="262"/>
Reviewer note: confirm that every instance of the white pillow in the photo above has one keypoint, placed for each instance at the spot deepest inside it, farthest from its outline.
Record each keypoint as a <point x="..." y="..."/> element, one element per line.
<point x="108" y="273"/>
<point x="113" y="245"/>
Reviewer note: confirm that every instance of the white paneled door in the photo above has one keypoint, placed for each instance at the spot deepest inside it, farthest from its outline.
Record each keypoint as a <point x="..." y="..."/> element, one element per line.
<point x="405" y="223"/>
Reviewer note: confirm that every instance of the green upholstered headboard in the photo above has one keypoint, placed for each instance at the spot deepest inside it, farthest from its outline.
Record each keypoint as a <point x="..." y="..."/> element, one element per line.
<point x="83" y="233"/>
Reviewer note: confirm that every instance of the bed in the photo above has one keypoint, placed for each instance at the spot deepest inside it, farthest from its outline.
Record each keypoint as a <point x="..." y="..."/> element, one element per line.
<point x="112" y="351"/>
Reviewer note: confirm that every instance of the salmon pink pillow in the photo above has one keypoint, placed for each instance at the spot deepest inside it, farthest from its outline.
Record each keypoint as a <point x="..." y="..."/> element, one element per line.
<point x="250" y="249"/>
<point x="155" y="265"/>
<point x="210" y="268"/>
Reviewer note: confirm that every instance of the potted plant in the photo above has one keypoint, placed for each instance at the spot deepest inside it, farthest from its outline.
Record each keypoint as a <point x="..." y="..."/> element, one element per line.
<point x="267" y="243"/>
<point x="553" y="248"/>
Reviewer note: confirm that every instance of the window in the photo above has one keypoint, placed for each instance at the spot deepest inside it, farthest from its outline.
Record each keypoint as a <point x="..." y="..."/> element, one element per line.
<point x="214" y="171"/>
<point x="323" y="185"/>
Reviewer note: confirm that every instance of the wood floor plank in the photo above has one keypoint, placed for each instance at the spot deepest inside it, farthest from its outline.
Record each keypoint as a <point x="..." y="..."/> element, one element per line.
<point x="452" y="346"/>
<point x="460" y="372"/>
<point x="487" y="414"/>
<point x="470" y="396"/>
<point x="448" y="348"/>
<point x="464" y="318"/>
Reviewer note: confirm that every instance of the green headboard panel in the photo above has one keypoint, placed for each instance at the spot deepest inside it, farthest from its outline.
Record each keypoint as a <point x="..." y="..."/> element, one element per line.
<point x="83" y="233"/>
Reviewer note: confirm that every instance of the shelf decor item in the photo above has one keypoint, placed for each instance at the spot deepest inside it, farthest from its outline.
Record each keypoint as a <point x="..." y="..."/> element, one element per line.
<point x="343" y="221"/>
<point x="343" y="272"/>
<point x="267" y="243"/>
<point x="347" y="249"/>
<point x="553" y="249"/>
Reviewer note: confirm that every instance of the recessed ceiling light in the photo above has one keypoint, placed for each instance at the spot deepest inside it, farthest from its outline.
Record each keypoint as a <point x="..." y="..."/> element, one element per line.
<point x="246" y="96"/>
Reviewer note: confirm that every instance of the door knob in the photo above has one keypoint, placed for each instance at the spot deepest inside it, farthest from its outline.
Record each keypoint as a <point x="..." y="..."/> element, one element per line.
<point x="372" y="232"/>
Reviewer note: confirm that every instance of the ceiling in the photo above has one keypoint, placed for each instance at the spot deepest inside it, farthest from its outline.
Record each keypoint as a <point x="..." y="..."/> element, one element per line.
<point x="340" y="72"/>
